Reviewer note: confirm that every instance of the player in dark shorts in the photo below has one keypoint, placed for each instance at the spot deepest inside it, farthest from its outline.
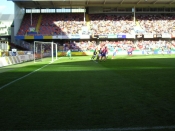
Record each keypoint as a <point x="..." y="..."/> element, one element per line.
<point x="94" y="54"/>
<point x="130" y="51"/>
<point x="104" y="53"/>
<point x="99" y="54"/>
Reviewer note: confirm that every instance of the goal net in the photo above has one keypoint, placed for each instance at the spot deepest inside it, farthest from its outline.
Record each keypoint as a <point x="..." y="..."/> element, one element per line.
<point x="44" y="49"/>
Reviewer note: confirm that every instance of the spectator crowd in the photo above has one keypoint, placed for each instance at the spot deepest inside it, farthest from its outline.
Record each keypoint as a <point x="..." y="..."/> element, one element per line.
<point x="122" y="45"/>
<point x="104" y="24"/>
<point x="99" y="24"/>
<point x="157" y="23"/>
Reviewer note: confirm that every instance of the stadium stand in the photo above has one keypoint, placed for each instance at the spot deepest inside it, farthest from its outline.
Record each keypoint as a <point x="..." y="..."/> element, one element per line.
<point x="157" y="23"/>
<point x="56" y="24"/>
<point x="82" y="25"/>
<point x="111" y="24"/>
<point x="26" y="25"/>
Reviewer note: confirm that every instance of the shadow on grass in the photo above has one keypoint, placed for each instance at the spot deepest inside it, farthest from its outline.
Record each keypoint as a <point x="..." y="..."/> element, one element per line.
<point x="83" y="94"/>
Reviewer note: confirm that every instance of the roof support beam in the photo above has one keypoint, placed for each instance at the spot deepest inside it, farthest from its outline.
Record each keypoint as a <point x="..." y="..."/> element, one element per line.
<point x="37" y="4"/>
<point x="52" y="4"/>
<point x="155" y="2"/>
<point x="104" y="2"/>
<point x="87" y="2"/>
<point x="138" y="2"/>
<point x="122" y="2"/>
<point x="172" y="2"/>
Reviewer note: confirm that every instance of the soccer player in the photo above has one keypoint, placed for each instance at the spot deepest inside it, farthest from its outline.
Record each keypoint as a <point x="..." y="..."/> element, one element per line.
<point x="169" y="50"/>
<point x="130" y="49"/>
<point x="99" y="54"/>
<point x="94" y="54"/>
<point x="114" y="52"/>
<point x="68" y="53"/>
<point x="104" y="52"/>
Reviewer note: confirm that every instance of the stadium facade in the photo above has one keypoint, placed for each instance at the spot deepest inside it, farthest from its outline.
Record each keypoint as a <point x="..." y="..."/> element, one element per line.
<point x="6" y="21"/>
<point x="6" y="29"/>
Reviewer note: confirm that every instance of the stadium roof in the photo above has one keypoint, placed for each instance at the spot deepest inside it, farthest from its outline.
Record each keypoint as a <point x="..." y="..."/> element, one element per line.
<point x="90" y="3"/>
<point x="6" y="17"/>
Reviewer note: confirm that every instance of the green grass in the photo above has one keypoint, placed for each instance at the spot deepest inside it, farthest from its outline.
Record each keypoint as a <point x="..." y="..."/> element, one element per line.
<point x="137" y="91"/>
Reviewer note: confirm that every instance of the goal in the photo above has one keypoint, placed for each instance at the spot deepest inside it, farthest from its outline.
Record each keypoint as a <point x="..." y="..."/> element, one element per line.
<point x="44" y="49"/>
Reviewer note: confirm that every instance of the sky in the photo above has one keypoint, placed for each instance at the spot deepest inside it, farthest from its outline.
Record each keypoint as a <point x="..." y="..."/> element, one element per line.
<point x="6" y="7"/>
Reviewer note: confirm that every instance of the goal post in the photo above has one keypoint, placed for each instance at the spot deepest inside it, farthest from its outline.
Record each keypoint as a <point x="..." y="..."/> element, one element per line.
<point x="40" y="48"/>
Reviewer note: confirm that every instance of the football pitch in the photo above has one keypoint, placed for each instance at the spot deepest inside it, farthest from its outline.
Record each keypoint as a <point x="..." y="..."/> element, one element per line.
<point x="122" y="94"/>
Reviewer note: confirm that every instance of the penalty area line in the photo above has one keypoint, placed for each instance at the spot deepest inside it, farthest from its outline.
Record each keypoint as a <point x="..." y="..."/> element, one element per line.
<point x="139" y="128"/>
<point x="25" y="75"/>
<point x="124" y="129"/>
<point x="128" y="128"/>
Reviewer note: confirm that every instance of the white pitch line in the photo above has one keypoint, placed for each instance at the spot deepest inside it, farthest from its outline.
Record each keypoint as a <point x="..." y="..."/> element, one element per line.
<point x="24" y="76"/>
<point x="122" y="129"/>
<point x="136" y="128"/>
<point x="127" y="129"/>
<point x="95" y="61"/>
